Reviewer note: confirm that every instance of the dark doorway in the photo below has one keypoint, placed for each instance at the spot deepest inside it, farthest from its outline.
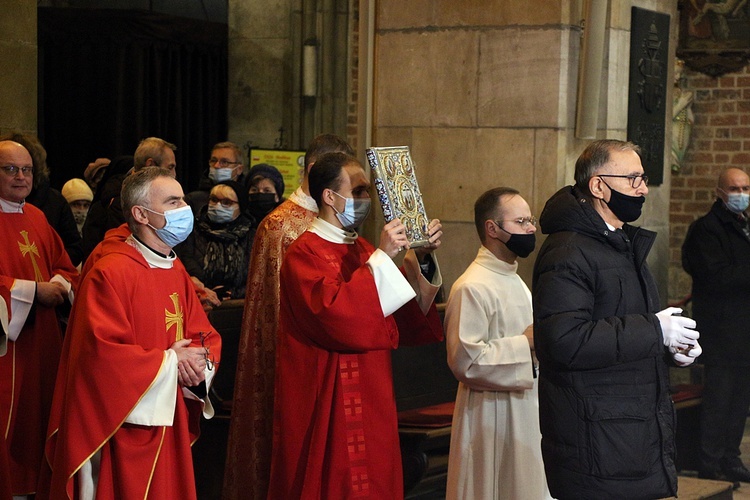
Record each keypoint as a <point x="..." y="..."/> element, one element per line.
<point x="109" y="78"/>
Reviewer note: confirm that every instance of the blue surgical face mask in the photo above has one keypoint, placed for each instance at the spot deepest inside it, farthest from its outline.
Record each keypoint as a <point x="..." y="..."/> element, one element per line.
<point x="737" y="202"/>
<point x="219" y="214"/>
<point x="355" y="212"/>
<point x="178" y="227"/>
<point x="220" y="174"/>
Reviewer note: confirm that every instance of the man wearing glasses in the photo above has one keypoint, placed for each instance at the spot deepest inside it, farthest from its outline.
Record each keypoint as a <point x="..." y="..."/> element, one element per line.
<point x="603" y="346"/>
<point x="494" y="449"/>
<point x="225" y="164"/>
<point x="38" y="273"/>
<point x="716" y="253"/>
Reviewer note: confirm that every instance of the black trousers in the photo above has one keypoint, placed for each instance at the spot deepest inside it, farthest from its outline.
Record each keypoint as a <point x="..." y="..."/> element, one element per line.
<point x="724" y="408"/>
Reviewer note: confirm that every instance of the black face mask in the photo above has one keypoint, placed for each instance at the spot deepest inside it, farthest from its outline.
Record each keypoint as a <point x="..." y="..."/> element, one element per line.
<point x="521" y="244"/>
<point x="261" y="204"/>
<point x="626" y="208"/>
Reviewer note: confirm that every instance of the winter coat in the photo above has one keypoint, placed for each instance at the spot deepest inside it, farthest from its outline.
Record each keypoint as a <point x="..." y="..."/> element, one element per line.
<point x="716" y="253"/>
<point x="219" y="254"/>
<point x="606" y="415"/>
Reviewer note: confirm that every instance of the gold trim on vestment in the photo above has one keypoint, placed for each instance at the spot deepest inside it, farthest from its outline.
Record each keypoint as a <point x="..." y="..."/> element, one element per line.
<point x="12" y="391"/>
<point x="156" y="459"/>
<point x="75" y="471"/>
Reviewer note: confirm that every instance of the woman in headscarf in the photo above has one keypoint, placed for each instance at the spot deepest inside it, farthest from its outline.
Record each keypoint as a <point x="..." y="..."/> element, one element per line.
<point x="217" y="251"/>
<point x="265" y="190"/>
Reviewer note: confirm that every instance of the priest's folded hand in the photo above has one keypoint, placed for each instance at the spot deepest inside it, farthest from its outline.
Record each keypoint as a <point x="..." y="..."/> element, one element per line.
<point x="50" y="293"/>
<point x="191" y="361"/>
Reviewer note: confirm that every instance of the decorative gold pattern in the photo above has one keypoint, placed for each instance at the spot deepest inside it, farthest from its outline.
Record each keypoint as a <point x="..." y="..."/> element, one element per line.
<point x="398" y="191"/>
<point x="175" y="318"/>
<point x="30" y="248"/>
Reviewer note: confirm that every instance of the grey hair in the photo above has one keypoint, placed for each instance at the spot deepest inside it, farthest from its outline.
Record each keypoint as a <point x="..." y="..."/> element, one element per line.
<point x="151" y="147"/>
<point x="136" y="190"/>
<point x="595" y="157"/>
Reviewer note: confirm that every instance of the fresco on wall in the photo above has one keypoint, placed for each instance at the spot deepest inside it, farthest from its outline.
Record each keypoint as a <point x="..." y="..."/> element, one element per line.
<point x="714" y="35"/>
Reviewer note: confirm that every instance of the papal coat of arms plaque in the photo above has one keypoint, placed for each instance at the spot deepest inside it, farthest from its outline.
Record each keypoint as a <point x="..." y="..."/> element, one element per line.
<point x="398" y="191"/>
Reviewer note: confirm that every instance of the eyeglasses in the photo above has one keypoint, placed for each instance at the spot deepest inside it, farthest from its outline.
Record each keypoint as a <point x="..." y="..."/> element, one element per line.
<point x="12" y="170"/>
<point x="225" y="202"/>
<point x="635" y="179"/>
<point x="207" y="351"/>
<point x="223" y="163"/>
<point x="522" y="221"/>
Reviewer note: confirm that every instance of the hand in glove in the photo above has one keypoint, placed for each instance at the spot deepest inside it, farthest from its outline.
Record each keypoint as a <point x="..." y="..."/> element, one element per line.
<point x="685" y="358"/>
<point x="678" y="332"/>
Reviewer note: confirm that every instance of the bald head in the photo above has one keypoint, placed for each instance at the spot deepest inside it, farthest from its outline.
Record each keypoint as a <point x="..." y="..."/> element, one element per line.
<point x="17" y="171"/>
<point x="733" y="188"/>
<point x="733" y="177"/>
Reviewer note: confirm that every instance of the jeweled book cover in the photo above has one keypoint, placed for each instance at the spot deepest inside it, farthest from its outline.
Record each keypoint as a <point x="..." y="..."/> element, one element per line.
<point x="398" y="191"/>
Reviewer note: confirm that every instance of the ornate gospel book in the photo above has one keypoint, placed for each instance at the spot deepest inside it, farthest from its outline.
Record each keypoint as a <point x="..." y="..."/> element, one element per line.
<point x="398" y="191"/>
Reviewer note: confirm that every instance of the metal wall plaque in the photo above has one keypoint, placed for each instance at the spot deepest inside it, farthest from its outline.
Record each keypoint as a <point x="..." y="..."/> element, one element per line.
<point x="647" y="96"/>
<point x="398" y="191"/>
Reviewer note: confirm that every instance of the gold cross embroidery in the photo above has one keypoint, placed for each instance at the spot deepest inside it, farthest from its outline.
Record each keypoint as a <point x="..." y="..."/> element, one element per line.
<point x="30" y="248"/>
<point x="175" y="318"/>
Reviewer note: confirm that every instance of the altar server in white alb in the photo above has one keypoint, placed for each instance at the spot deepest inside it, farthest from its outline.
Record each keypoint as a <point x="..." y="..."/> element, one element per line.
<point x="495" y="449"/>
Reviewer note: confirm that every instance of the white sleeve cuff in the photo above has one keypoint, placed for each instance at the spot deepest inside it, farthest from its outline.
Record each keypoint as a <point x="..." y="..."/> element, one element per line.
<point x="68" y="287"/>
<point x="3" y="327"/>
<point x="208" y="408"/>
<point x="393" y="289"/>
<point x="156" y="407"/>
<point x="21" y="299"/>
<point x="425" y="291"/>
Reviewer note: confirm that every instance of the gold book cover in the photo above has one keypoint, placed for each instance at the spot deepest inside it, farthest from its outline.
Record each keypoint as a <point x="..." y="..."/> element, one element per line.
<point x="398" y="191"/>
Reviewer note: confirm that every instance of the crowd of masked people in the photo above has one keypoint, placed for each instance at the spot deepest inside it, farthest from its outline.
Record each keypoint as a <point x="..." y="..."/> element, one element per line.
<point x="564" y="393"/>
<point x="229" y="203"/>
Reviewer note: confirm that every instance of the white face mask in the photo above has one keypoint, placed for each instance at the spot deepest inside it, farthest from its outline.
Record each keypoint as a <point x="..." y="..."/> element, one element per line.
<point x="220" y="214"/>
<point x="220" y="174"/>
<point x="355" y="212"/>
<point x="178" y="227"/>
<point x="737" y="202"/>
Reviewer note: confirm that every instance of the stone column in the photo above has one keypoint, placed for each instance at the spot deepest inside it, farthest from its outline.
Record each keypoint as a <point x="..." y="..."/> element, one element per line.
<point x="18" y="52"/>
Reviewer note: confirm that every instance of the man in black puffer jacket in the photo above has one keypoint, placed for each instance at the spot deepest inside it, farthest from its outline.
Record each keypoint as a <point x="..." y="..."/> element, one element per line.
<point x="606" y="415"/>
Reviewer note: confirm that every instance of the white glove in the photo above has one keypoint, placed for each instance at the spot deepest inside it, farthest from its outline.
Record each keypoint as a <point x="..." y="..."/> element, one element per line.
<point x="678" y="332"/>
<point x="683" y="358"/>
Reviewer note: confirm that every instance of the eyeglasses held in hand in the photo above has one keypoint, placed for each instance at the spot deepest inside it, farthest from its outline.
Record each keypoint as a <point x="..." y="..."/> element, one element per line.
<point x="207" y="351"/>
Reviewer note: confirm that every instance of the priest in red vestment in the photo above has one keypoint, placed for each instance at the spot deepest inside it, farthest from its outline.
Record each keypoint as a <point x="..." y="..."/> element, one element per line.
<point x="37" y="272"/>
<point x="248" y="464"/>
<point x="344" y="306"/>
<point x="139" y="356"/>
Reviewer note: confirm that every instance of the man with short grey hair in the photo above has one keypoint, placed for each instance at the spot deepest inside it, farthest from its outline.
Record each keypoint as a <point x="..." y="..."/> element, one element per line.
<point x="603" y="345"/>
<point x="155" y="152"/>
<point x="139" y="358"/>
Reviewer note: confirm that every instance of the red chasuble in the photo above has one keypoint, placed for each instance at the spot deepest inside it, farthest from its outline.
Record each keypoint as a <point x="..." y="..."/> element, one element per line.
<point x="5" y="491"/>
<point x="31" y="251"/>
<point x="125" y="316"/>
<point x="335" y="428"/>
<point x="248" y="464"/>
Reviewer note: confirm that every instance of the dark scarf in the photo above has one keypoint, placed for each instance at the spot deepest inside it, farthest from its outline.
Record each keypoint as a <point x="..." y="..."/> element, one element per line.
<point x="226" y="255"/>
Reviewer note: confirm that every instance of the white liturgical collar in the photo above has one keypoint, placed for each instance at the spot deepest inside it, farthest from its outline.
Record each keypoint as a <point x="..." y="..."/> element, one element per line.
<point x="152" y="258"/>
<point x="331" y="233"/>
<point x="11" y="207"/>
<point x="304" y="200"/>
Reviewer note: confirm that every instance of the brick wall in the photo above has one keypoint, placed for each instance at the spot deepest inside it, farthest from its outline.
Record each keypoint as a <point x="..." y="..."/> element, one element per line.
<point x="720" y="139"/>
